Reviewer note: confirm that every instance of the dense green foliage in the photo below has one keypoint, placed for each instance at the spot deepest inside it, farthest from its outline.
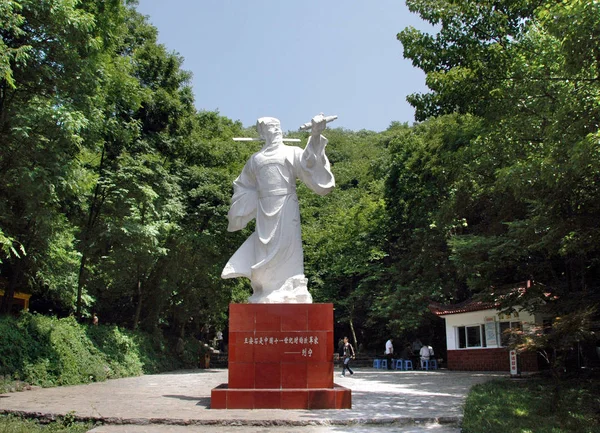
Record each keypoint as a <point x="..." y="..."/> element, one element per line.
<point x="497" y="185"/>
<point x="523" y="201"/>
<point x="511" y="189"/>
<point x="46" y="351"/>
<point x="114" y="189"/>
<point x="533" y="405"/>
<point x="14" y="424"/>
<point x="343" y="232"/>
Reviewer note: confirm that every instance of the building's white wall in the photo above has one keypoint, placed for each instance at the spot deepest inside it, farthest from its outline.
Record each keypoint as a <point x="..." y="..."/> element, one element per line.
<point x="479" y="318"/>
<point x="450" y="334"/>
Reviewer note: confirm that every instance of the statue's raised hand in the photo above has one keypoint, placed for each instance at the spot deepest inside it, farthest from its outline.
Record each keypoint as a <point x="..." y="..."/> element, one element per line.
<point x="318" y="124"/>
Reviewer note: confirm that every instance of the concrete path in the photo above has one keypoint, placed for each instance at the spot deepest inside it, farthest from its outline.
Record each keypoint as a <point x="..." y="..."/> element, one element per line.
<point x="167" y="402"/>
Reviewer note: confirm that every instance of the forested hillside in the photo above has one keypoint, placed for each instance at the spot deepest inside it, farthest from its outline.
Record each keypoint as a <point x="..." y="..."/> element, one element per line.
<point x="114" y="188"/>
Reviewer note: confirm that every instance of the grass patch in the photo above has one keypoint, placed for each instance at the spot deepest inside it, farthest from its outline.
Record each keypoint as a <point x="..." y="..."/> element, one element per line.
<point x="14" y="424"/>
<point x="540" y="405"/>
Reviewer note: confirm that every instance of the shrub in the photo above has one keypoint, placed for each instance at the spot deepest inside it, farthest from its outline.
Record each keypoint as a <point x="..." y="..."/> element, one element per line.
<point x="14" y="346"/>
<point x="14" y="424"/>
<point x="48" y="351"/>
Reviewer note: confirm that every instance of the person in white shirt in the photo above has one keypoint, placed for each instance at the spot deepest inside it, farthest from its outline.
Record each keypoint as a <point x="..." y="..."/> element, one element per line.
<point x="389" y="352"/>
<point x="426" y="353"/>
<point x="220" y="342"/>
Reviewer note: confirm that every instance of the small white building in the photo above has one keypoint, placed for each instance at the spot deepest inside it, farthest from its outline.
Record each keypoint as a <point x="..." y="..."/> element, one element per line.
<point x="475" y="339"/>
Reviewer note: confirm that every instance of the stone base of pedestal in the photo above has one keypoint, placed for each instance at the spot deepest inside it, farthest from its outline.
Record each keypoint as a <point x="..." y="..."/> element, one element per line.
<point x="337" y="397"/>
<point x="281" y="357"/>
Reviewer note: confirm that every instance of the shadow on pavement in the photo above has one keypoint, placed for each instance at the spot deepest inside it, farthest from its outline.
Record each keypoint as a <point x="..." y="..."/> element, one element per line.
<point x="202" y="401"/>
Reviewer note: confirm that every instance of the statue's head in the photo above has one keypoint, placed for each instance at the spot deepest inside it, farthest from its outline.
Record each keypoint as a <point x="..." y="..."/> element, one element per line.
<point x="268" y="128"/>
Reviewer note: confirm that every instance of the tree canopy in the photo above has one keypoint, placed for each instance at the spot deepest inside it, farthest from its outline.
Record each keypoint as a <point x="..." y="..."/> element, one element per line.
<point x="522" y="200"/>
<point x="114" y="188"/>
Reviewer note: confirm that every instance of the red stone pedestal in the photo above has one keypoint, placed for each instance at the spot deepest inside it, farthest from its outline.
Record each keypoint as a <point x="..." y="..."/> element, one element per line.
<point x="280" y="357"/>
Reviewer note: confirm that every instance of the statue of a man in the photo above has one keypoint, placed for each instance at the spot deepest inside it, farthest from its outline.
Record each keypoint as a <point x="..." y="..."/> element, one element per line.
<point x="272" y="256"/>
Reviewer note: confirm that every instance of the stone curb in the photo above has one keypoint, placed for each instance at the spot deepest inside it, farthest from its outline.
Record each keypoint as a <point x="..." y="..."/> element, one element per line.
<point x="452" y="421"/>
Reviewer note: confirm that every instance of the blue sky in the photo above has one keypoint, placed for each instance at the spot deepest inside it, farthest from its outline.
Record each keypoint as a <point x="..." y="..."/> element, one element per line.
<point x="292" y="59"/>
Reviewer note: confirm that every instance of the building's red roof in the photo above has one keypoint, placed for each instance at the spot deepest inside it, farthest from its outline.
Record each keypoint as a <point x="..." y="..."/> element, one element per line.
<point x="472" y="305"/>
<point x="463" y="307"/>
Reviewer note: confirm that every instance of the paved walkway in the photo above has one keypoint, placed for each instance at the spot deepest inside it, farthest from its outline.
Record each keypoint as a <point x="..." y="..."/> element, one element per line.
<point x="167" y="402"/>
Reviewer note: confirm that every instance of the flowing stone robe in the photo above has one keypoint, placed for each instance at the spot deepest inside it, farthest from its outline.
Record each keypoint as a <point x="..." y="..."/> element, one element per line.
<point x="272" y="256"/>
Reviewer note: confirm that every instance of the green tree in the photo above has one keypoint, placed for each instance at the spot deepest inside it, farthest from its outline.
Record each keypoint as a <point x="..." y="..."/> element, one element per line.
<point x="426" y="194"/>
<point x="529" y="71"/>
<point x="141" y="181"/>
<point x="49" y="55"/>
<point x="197" y="295"/>
<point x="343" y="232"/>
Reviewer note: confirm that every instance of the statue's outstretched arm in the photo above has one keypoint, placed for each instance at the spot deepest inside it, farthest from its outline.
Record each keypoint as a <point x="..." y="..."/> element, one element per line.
<point x="315" y="170"/>
<point x="318" y="125"/>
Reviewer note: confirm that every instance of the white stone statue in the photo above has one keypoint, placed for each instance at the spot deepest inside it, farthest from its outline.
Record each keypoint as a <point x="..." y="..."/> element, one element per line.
<point x="272" y="256"/>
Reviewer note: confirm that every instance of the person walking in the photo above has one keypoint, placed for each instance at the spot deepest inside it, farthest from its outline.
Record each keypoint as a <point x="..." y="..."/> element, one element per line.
<point x="220" y="341"/>
<point x="389" y="353"/>
<point x="348" y="355"/>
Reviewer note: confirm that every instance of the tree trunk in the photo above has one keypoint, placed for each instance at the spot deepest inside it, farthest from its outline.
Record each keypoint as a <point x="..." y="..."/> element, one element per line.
<point x="80" y="285"/>
<point x="9" y="295"/>
<point x="138" y="308"/>
<point x="353" y="334"/>
<point x="92" y="217"/>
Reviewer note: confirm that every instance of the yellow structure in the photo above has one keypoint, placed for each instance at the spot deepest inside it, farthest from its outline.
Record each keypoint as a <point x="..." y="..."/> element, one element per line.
<point x="20" y="301"/>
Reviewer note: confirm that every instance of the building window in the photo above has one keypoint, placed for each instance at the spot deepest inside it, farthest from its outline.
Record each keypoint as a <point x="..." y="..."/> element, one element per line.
<point x="505" y="336"/>
<point x="508" y="316"/>
<point x="547" y="326"/>
<point x="471" y="336"/>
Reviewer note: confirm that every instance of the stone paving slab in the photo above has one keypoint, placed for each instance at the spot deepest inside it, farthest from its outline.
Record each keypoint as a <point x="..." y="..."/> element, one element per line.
<point x="379" y="397"/>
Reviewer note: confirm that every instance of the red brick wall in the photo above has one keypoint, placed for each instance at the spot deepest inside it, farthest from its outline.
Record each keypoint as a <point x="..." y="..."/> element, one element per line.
<point x="488" y="360"/>
<point x="529" y="361"/>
